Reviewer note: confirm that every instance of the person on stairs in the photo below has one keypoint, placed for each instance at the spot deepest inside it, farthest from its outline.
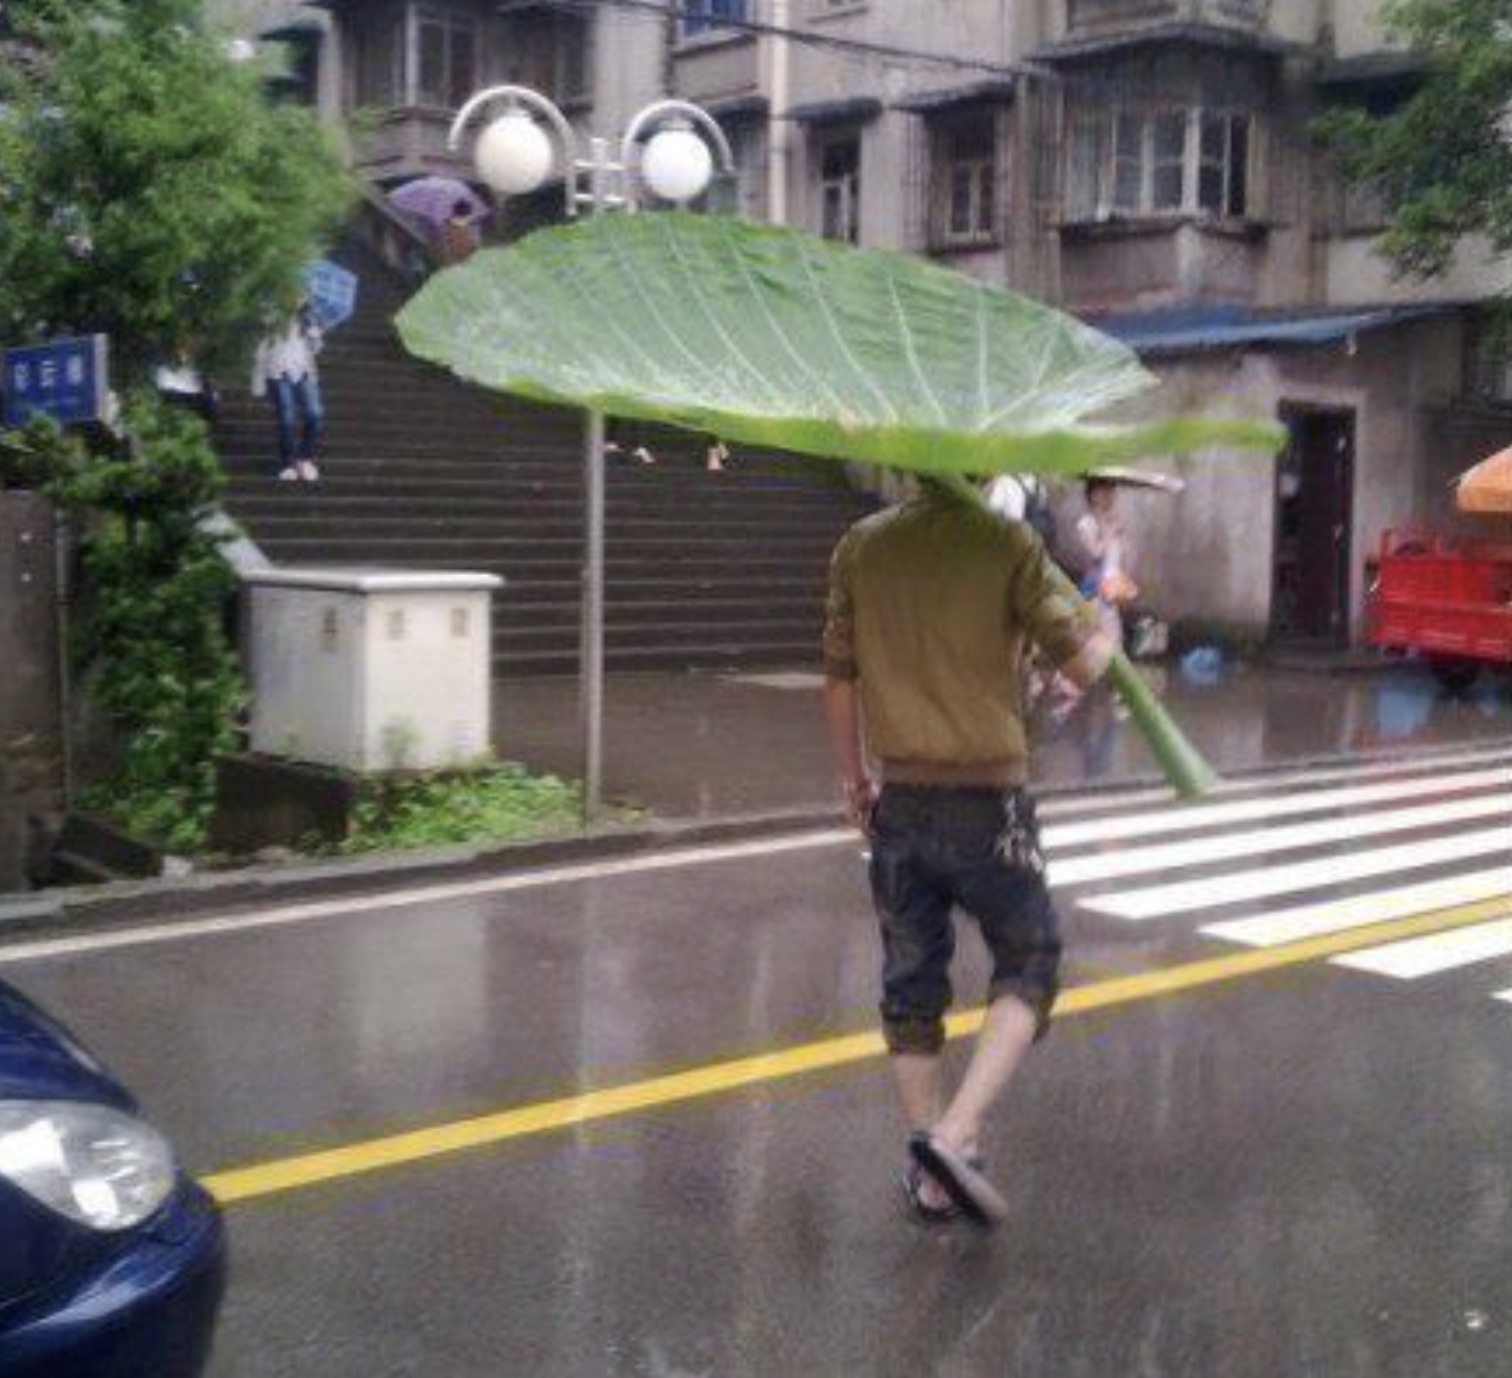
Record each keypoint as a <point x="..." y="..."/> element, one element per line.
<point x="284" y="370"/>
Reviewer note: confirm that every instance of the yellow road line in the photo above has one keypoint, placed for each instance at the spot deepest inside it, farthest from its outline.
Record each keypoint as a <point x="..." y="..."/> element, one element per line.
<point x="306" y="1170"/>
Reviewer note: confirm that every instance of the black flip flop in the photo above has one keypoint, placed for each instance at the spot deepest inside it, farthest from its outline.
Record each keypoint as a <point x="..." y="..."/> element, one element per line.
<point x="979" y="1201"/>
<point x="921" y="1210"/>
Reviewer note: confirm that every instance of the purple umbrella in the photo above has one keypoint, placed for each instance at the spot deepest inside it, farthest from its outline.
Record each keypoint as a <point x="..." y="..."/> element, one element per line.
<point x="431" y="199"/>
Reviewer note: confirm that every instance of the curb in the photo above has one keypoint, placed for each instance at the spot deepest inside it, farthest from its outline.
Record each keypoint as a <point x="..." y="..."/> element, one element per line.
<point x="167" y="899"/>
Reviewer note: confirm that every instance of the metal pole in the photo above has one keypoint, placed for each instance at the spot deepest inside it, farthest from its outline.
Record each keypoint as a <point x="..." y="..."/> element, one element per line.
<point x="591" y="671"/>
<point x="779" y="127"/>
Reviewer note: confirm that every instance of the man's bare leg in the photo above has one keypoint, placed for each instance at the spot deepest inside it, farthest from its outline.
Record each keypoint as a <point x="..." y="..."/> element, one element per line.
<point x="921" y="1091"/>
<point x="920" y="1088"/>
<point x="1006" y="1036"/>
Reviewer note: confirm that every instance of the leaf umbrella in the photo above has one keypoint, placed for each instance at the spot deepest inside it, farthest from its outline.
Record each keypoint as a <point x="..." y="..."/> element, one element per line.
<point x="1487" y="487"/>
<point x="773" y="337"/>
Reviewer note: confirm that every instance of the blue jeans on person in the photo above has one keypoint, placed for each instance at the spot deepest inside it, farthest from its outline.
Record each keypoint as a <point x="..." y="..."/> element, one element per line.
<point x="297" y="404"/>
<point x="935" y="848"/>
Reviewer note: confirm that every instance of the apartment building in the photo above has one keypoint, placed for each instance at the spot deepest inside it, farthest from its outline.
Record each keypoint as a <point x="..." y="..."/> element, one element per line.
<point x="1146" y="164"/>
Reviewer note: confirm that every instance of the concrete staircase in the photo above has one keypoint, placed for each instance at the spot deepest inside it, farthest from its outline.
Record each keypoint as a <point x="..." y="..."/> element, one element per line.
<point x="422" y="470"/>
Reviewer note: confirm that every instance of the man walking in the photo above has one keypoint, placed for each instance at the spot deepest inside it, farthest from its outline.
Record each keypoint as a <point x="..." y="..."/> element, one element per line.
<point x="930" y="605"/>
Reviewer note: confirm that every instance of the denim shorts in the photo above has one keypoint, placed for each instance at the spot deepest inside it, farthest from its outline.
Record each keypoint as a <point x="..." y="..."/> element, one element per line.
<point x="937" y="848"/>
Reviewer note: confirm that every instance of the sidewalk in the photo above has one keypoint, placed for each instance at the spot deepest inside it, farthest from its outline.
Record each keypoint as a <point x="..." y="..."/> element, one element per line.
<point x="703" y="746"/>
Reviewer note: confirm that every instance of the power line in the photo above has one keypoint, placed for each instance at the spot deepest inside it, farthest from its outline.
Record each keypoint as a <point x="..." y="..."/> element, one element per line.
<point x="855" y="47"/>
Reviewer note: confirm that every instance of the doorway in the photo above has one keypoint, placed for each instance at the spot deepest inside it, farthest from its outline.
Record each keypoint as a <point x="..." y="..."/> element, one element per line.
<point x="1314" y="519"/>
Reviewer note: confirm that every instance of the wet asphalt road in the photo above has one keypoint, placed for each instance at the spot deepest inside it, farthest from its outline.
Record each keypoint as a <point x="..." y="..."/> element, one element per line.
<point x="1304" y="1171"/>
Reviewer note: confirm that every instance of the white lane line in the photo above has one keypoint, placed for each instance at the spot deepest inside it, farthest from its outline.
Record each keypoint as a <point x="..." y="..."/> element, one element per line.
<point x="1192" y="817"/>
<point x="1503" y="995"/>
<point x="362" y="905"/>
<point x="1313" y="920"/>
<point x="1226" y="846"/>
<point x="1418" y="957"/>
<point x="1158" y="901"/>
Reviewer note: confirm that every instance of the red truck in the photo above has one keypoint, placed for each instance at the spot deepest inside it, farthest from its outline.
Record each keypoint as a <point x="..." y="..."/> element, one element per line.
<point x="1448" y="600"/>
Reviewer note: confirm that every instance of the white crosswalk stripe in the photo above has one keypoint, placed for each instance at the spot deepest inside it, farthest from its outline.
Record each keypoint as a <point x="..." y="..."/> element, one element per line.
<point x="1226" y="846"/>
<point x="1351" y="862"/>
<point x="1268" y="881"/>
<point x="1377" y="906"/>
<point x="1179" y="819"/>
<point x="1444" y="766"/>
<point x="1438" y="952"/>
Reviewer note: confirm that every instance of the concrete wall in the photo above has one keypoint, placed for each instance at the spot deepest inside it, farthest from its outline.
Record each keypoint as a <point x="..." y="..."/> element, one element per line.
<point x="1357" y="273"/>
<point x="1207" y="553"/>
<point x="1357" y="26"/>
<point x="31" y="750"/>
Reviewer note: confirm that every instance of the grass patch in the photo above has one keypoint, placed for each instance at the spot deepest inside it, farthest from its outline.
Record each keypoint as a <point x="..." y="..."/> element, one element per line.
<point x="500" y="804"/>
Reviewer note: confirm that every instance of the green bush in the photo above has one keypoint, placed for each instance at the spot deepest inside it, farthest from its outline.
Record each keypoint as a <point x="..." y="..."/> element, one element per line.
<point x="151" y="649"/>
<point x="499" y="804"/>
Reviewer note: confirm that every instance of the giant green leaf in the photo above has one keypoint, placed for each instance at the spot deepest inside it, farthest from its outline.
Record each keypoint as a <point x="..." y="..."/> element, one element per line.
<point x="773" y="337"/>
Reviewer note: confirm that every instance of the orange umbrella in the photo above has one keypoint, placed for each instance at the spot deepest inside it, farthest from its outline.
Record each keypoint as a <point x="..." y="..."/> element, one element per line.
<point x="1488" y="486"/>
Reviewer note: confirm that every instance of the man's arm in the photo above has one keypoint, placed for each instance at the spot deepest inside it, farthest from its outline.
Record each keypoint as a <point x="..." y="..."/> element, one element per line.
<point x="1046" y="605"/>
<point x="842" y="710"/>
<point x="842" y="702"/>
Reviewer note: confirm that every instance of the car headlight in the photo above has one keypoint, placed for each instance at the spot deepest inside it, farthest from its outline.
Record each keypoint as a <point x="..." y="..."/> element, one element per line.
<point x="91" y="1163"/>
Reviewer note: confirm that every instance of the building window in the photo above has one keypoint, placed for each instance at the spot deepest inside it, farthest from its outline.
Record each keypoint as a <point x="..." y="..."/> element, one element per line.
<point x="1223" y="178"/>
<point x="743" y="194"/>
<point x="702" y="16"/>
<point x="572" y="66"/>
<point x="1491" y="367"/>
<point x="965" y="193"/>
<point x="1162" y="161"/>
<point x="840" y="189"/>
<point x="380" y="63"/>
<point x="448" y="60"/>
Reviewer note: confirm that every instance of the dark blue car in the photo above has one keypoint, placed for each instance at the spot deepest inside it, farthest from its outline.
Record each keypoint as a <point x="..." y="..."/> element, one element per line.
<point x="112" y="1262"/>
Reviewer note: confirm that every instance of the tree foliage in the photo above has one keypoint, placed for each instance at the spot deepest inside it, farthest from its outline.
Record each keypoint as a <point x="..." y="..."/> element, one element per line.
<point x="1442" y="160"/>
<point x="152" y="644"/>
<point x="149" y="189"/>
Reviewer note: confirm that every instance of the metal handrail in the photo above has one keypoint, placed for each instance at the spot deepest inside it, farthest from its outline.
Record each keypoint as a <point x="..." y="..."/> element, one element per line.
<point x="393" y="222"/>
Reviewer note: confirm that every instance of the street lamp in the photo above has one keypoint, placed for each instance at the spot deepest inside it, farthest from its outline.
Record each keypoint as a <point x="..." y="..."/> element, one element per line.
<point x="670" y="149"/>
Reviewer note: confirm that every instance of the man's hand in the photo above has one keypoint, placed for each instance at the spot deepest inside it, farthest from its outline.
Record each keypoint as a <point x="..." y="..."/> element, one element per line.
<point x="1090" y="663"/>
<point x="843" y="712"/>
<point x="860" y="803"/>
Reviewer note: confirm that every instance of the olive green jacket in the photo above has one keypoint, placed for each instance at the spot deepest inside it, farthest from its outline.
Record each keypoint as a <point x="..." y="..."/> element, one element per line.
<point x="930" y="605"/>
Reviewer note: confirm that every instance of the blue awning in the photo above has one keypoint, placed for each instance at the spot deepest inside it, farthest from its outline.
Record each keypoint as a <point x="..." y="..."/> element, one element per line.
<point x="1232" y="327"/>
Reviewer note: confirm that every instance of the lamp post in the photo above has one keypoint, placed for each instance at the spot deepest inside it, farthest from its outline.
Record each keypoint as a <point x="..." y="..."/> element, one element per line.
<point x="666" y="149"/>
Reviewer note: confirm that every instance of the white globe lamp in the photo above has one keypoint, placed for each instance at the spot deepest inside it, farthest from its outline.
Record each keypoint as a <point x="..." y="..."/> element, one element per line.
<point x="677" y="165"/>
<point x="514" y="154"/>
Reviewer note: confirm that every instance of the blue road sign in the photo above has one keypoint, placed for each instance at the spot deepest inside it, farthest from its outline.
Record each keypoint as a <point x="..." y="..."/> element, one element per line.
<point x="68" y="380"/>
<point x="333" y="292"/>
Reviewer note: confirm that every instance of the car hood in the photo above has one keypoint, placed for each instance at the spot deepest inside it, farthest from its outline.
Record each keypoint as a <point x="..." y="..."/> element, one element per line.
<point x="41" y="1060"/>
